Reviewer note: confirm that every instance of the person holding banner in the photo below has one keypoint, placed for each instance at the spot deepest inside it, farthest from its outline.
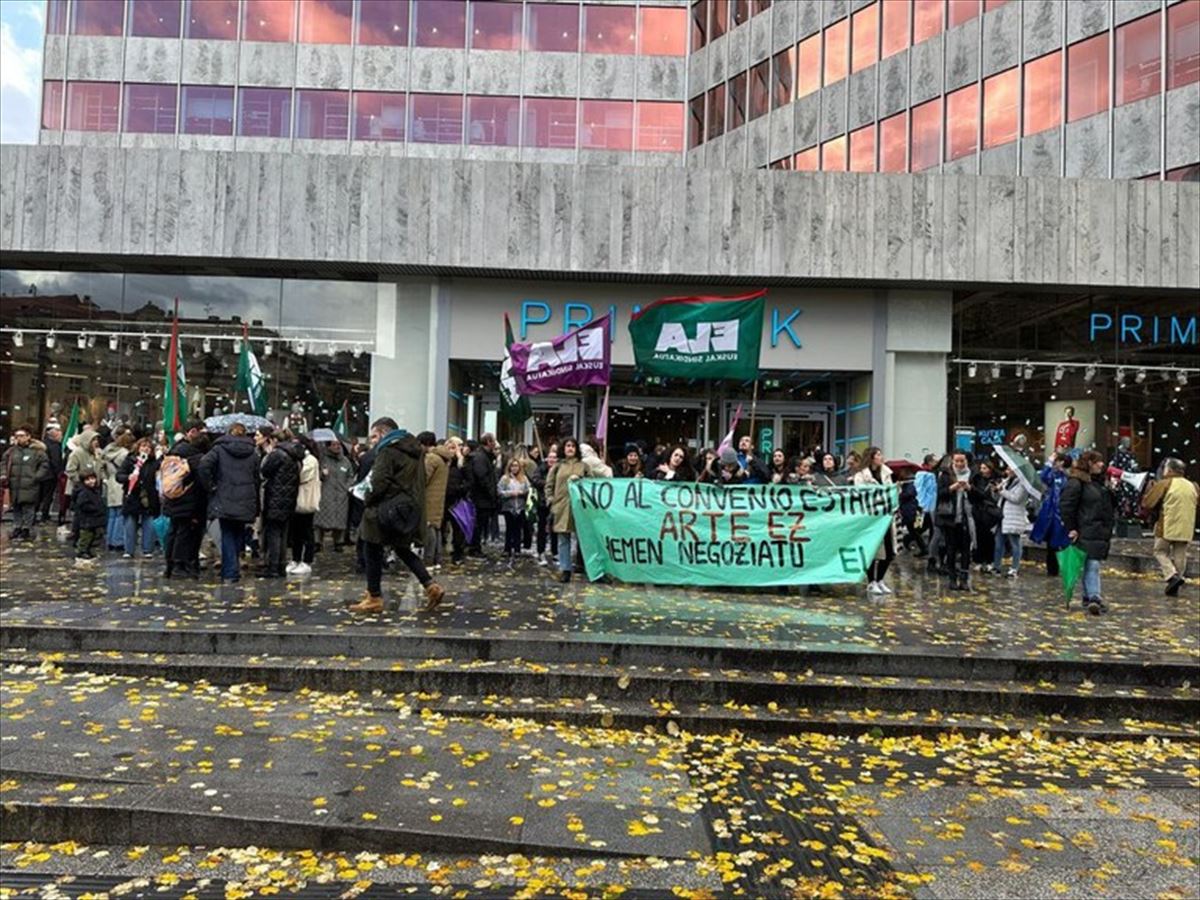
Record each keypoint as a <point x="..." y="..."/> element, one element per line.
<point x="875" y="471"/>
<point x="576" y="463"/>
<point x="676" y="468"/>
<point x="752" y="469"/>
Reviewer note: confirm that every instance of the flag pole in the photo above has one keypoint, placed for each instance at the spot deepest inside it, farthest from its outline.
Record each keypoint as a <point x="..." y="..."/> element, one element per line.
<point x="753" y="410"/>
<point x="538" y="438"/>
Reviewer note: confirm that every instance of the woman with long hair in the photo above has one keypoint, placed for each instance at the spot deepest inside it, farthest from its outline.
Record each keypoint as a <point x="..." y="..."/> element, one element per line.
<point x="514" y="494"/>
<point x="1088" y="507"/>
<point x="676" y="466"/>
<point x="875" y="471"/>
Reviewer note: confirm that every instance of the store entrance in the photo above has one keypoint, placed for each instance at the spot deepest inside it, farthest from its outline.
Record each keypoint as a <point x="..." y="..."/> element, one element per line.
<point x="650" y="422"/>
<point x="794" y="428"/>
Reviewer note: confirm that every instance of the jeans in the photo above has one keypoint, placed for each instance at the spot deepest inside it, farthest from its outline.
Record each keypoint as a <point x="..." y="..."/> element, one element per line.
<point x="1010" y="543"/>
<point x="233" y="541"/>
<point x="514" y="531"/>
<point x="131" y="527"/>
<point x="301" y="534"/>
<point x="566" y="544"/>
<point x="1091" y="578"/>
<point x="116" y="529"/>
<point x="374" y="559"/>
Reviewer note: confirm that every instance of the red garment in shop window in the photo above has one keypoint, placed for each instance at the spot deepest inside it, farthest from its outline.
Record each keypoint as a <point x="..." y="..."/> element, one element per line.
<point x="1064" y="434"/>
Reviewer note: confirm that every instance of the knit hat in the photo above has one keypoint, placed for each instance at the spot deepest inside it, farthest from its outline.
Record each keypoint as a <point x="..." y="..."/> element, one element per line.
<point x="728" y="457"/>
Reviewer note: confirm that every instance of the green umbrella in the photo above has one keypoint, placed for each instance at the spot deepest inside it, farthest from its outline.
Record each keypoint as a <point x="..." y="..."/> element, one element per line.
<point x="1071" y="561"/>
<point x="1022" y="468"/>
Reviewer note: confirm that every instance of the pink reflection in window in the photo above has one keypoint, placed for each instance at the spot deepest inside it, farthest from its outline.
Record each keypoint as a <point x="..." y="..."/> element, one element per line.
<point x="895" y="27"/>
<point x="323" y="115"/>
<point x="893" y="143"/>
<point x="606" y="124"/>
<point x="927" y="20"/>
<point x="783" y="78"/>
<point x="865" y="38"/>
<point x="718" y="22"/>
<point x="56" y="17"/>
<point x="1184" y="173"/>
<point x="1087" y="78"/>
<point x="326" y="21"/>
<point x="962" y="11"/>
<point x="716" y="112"/>
<point x="206" y="110"/>
<point x="833" y="155"/>
<point x="97" y="17"/>
<point x="862" y="149"/>
<point x="211" y="20"/>
<point x="784" y="163"/>
<point x="549" y="122"/>
<point x="150" y="108"/>
<point x="1000" y="93"/>
<point x="1043" y="93"/>
<point x="1138" y="59"/>
<point x="382" y="23"/>
<point x="695" y="122"/>
<point x="440" y="23"/>
<point x="989" y="5"/>
<point x="379" y="116"/>
<point x="552" y="26"/>
<point x="926" y="135"/>
<point x="837" y="51"/>
<point x="268" y="20"/>
<point x="808" y="77"/>
<point x="493" y="121"/>
<point x="741" y="11"/>
<point x="435" y="118"/>
<point x="663" y="31"/>
<point x="495" y="26"/>
<point x="760" y="92"/>
<point x="699" y="24"/>
<point x="92" y="106"/>
<point x="609" y="29"/>
<point x="1183" y="44"/>
<point x="659" y="126"/>
<point x="737" y="102"/>
<point x="52" y="95"/>
<point x="264" y="112"/>
<point x="806" y="160"/>
<point x="154" y="18"/>
<point x="962" y="122"/>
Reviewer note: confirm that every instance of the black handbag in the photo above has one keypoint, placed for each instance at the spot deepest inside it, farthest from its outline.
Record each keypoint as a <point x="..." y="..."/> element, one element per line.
<point x="399" y="515"/>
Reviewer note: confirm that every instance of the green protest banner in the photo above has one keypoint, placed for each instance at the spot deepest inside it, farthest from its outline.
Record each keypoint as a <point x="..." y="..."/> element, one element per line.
<point x="661" y="532"/>
<point x="699" y="337"/>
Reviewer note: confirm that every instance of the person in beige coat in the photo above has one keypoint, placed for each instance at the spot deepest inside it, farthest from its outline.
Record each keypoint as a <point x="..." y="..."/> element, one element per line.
<point x="1176" y="499"/>
<point x="438" y="459"/>
<point x="575" y="462"/>
<point x="875" y="471"/>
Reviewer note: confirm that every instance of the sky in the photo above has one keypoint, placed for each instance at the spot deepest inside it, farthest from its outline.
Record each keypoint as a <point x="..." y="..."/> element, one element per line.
<point x="20" y="69"/>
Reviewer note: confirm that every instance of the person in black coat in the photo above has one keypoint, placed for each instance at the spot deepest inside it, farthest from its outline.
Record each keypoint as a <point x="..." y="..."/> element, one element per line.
<point x="230" y="478"/>
<point x="188" y="512"/>
<point x="139" y="475"/>
<point x="956" y="498"/>
<point x="483" y="483"/>
<point x="366" y="459"/>
<point x="280" y="485"/>
<point x="52" y="487"/>
<point x="985" y="507"/>
<point x="1088" y="509"/>
<point x="457" y="488"/>
<point x="91" y="515"/>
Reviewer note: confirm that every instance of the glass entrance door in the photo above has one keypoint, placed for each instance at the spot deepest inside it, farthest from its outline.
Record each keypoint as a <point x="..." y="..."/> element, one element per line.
<point x="794" y="428"/>
<point x="651" y="422"/>
<point x="553" y="423"/>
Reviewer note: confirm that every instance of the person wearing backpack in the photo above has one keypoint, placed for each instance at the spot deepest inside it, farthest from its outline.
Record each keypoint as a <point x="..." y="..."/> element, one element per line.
<point x="184" y="502"/>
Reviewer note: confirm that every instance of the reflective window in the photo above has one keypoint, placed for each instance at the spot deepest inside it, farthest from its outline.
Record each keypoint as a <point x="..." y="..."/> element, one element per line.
<point x="268" y="20"/>
<point x="833" y="155"/>
<point x="435" y="118"/>
<point x="782" y="163"/>
<point x="93" y="106"/>
<point x="52" y="96"/>
<point x="927" y="20"/>
<point x="1000" y="94"/>
<point x="1183" y="44"/>
<point x="549" y="122"/>
<point x="989" y="5"/>
<point x="56" y="17"/>
<point x="718" y="22"/>
<point x="760" y="90"/>
<point x="962" y="122"/>
<point x="783" y="78"/>
<point x="808" y="77"/>
<point x="326" y="21"/>
<point x="895" y="27"/>
<point x="760" y="6"/>
<point x="962" y="11"/>
<point x="154" y="18"/>
<point x="1184" y="173"/>
<point x="716" y="112"/>
<point x="741" y="11"/>
<point x="1043" y="93"/>
<point x="893" y="143"/>
<point x="862" y="149"/>
<point x="663" y="31"/>
<point x="695" y="122"/>
<point x="382" y="23"/>
<point x="493" y="121"/>
<point x="837" y="51"/>
<point x="1138" y="59"/>
<point x="379" y="116"/>
<point x="552" y="26"/>
<point x="440" y="23"/>
<point x="495" y="26"/>
<point x="926" y="135"/>
<point x="323" y="115"/>
<point x="97" y="17"/>
<point x="807" y="160"/>
<point x="865" y="38"/>
<point x="737" y="102"/>
<point x="699" y="24"/>
<point x="206" y="110"/>
<point x="606" y="124"/>
<point x="210" y="20"/>
<point x="1087" y="77"/>
<point x="659" y="126"/>
<point x="150" y="108"/>
<point x="264" y="112"/>
<point x="609" y="29"/>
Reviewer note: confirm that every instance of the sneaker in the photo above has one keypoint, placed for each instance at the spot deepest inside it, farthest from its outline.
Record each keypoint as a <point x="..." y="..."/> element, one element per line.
<point x="302" y="569"/>
<point x="883" y="588"/>
<point x="126" y="556"/>
<point x="292" y="567"/>
<point x="434" y="593"/>
<point x="873" y="587"/>
<point x="81" y="562"/>
<point x="1011" y="573"/>
<point x="542" y="561"/>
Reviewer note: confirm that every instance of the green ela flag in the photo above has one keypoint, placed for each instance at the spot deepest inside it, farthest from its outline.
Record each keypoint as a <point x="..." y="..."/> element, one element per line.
<point x="72" y="428"/>
<point x="513" y="406"/>
<point x="700" y="337"/>
<point x="250" y="378"/>
<point x="174" y="384"/>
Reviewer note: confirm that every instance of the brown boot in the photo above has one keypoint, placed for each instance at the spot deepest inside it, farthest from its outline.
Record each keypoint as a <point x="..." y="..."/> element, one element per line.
<point x="368" y="605"/>
<point x="434" y="593"/>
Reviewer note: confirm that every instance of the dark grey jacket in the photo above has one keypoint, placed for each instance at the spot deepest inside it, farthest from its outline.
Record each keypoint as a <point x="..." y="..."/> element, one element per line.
<point x="229" y="474"/>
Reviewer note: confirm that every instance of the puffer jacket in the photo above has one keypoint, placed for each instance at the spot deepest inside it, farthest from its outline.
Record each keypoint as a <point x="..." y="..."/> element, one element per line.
<point x="230" y="477"/>
<point x="194" y="503"/>
<point x="308" y="496"/>
<point x="399" y="469"/>
<point x="482" y="479"/>
<point x="1013" y="501"/>
<point x="82" y="460"/>
<point x="437" y="476"/>
<point x="1089" y="508"/>
<point x="113" y="457"/>
<point x="24" y="469"/>
<point x="142" y="497"/>
<point x="281" y="482"/>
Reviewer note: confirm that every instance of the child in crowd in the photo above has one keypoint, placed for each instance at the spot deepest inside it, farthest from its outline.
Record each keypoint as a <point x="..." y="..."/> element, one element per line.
<point x="91" y="516"/>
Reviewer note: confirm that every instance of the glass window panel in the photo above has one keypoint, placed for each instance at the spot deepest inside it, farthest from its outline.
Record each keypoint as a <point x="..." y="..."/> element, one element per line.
<point x="759" y="6"/>
<point x="962" y="122"/>
<point x="264" y="112"/>
<point x="716" y="112"/>
<point x="862" y="149"/>
<point x="154" y="18"/>
<point x="379" y="116"/>
<point x="552" y="26"/>
<point x="1087" y="77"/>
<point x="718" y="21"/>
<point x="895" y="26"/>
<point x="435" y="118"/>
<point x="550" y="122"/>
<point x="609" y="29"/>
<point x="606" y="125"/>
<point x="837" y="51"/>
<point x="807" y="160"/>
<point x="56" y="16"/>
<point x="383" y="23"/>
<point x="962" y="11"/>
<point x="760" y="92"/>
<point x="207" y="110"/>
<point x="1043" y="93"/>
<point x="926" y="135"/>
<point x="52" y="95"/>
<point x="493" y="121"/>
<point x="1000" y="94"/>
<point x="741" y="11"/>
<point x="866" y="38"/>
<point x="495" y="26"/>
<point x="809" y="77"/>
<point x="210" y="20"/>
<point x="699" y="19"/>
<point x="695" y="122"/>
<point x="927" y="20"/>
<point x="150" y="108"/>
<point x="1138" y="59"/>
<point x="440" y="23"/>
<point x="783" y="78"/>
<point x="659" y="126"/>
<point x="893" y="143"/>
<point x="323" y="115"/>
<point x="1183" y="43"/>
<point x="783" y="163"/>
<point x="737" y="102"/>
<point x="326" y="21"/>
<point x="93" y="106"/>
<point x="1185" y="173"/>
<point x="98" y="17"/>
<point x="662" y="31"/>
<point x="989" y="5"/>
<point x="268" y="20"/>
<point x="833" y="155"/>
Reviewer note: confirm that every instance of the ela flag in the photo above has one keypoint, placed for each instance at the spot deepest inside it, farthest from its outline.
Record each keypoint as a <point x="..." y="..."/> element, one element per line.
<point x="174" y="383"/>
<point x="72" y="423"/>
<point x="700" y="337"/>
<point x="250" y="377"/>
<point x="579" y="358"/>
<point x="728" y="441"/>
<point x="602" y="424"/>
<point x="513" y="406"/>
<point x="339" y="424"/>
